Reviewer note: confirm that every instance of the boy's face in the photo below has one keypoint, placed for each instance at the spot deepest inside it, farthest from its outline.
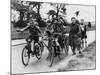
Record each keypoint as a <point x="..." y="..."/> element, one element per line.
<point x="73" y="20"/>
<point x="82" y="21"/>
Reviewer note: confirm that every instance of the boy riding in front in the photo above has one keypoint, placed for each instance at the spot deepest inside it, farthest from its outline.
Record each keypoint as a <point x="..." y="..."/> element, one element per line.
<point x="34" y="31"/>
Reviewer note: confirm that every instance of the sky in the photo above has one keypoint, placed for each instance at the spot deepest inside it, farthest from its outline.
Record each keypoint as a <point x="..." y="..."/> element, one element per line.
<point x="86" y="12"/>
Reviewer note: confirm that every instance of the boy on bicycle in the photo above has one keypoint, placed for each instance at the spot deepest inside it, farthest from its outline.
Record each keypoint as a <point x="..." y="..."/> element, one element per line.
<point x="34" y="30"/>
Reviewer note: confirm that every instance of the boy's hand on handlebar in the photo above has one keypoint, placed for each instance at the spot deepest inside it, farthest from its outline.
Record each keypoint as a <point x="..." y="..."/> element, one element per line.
<point x="18" y="30"/>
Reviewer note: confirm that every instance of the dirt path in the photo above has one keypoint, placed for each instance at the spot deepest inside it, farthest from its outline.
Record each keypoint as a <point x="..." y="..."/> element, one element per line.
<point x="82" y="62"/>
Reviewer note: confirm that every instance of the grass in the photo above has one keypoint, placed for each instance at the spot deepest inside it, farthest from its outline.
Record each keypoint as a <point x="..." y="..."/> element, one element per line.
<point x="84" y="61"/>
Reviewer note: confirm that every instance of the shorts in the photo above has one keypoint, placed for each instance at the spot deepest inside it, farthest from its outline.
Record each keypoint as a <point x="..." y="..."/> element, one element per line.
<point x="31" y="38"/>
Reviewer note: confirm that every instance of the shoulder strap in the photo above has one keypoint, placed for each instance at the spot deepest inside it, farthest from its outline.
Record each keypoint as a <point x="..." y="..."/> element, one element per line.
<point x="79" y="29"/>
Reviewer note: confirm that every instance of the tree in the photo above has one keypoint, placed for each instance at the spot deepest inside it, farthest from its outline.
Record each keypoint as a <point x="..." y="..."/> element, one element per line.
<point x="36" y="5"/>
<point x="59" y="8"/>
<point x="18" y="6"/>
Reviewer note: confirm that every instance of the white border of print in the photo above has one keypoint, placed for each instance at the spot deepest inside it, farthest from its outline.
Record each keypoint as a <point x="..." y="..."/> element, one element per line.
<point x="5" y="37"/>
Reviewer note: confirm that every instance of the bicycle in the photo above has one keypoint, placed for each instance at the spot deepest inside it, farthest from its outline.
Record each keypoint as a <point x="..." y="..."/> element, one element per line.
<point x="37" y="51"/>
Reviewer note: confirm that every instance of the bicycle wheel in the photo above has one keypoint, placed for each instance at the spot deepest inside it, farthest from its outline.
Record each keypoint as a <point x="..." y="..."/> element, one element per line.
<point x="38" y="51"/>
<point x="41" y="47"/>
<point x="52" y="56"/>
<point x="25" y="56"/>
<point x="66" y="45"/>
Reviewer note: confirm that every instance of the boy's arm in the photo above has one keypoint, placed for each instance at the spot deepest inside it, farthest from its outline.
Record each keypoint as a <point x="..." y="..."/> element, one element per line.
<point x="38" y="29"/>
<point x="23" y="29"/>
